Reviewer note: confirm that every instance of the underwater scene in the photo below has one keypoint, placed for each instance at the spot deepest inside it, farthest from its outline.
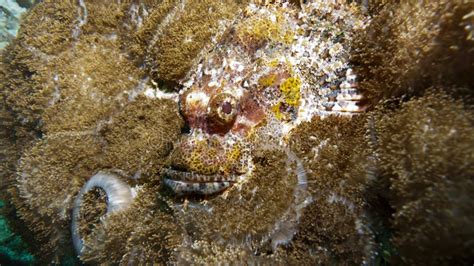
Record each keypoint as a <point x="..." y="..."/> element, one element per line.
<point x="236" y="132"/>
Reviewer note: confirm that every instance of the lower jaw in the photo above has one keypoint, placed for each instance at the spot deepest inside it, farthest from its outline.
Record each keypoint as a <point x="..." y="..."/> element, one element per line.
<point x="197" y="188"/>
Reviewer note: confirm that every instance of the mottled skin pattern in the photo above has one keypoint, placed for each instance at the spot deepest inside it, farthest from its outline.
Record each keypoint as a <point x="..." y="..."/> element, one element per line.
<point x="236" y="87"/>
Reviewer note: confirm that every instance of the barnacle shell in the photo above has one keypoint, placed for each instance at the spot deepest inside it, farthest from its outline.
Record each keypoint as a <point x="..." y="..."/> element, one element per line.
<point x="119" y="197"/>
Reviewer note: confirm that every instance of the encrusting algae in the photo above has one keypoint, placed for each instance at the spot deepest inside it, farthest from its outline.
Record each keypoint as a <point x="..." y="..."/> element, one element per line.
<point x="240" y="132"/>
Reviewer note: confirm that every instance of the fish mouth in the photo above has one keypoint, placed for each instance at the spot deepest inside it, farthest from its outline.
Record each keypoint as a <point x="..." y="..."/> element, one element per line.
<point x="184" y="183"/>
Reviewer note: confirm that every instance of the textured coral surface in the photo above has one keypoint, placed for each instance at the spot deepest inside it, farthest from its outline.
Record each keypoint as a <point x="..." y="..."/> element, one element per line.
<point x="240" y="132"/>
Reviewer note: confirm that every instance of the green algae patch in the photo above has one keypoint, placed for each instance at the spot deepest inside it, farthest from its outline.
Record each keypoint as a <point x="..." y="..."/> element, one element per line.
<point x="12" y="248"/>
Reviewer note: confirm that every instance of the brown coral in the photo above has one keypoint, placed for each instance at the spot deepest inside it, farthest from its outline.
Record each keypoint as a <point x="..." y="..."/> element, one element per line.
<point x="410" y="46"/>
<point x="141" y="135"/>
<point x="25" y="58"/>
<point x="48" y="175"/>
<point x="145" y="233"/>
<point x="426" y="150"/>
<point x="78" y="94"/>
<point x="58" y="89"/>
<point x="334" y="226"/>
<point x="187" y="28"/>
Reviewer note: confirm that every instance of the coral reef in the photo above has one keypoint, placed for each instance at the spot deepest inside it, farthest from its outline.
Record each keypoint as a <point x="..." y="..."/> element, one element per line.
<point x="145" y="232"/>
<point x="150" y="127"/>
<point x="414" y="63"/>
<point x="118" y="195"/>
<point x="240" y="132"/>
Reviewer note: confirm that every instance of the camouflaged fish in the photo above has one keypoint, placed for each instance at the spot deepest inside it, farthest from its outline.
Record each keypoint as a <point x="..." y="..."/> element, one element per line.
<point x="273" y="63"/>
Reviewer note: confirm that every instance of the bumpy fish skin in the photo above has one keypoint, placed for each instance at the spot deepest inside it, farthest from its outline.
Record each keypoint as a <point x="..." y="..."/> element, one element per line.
<point x="268" y="65"/>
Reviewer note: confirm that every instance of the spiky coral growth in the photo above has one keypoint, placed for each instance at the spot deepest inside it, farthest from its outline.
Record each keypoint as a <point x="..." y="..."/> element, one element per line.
<point x="44" y="75"/>
<point x="210" y="252"/>
<point x="100" y="86"/>
<point x="183" y="33"/>
<point x="63" y="85"/>
<point x="75" y="84"/>
<point x="411" y="46"/>
<point x="101" y="17"/>
<point x="25" y="58"/>
<point x="425" y="147"/>
<point x="143" y="31"/>
<point x="48" y="175"/>
<point x="120" y="238"/>
<point x="334" y="227"/>
<point x="141" y="135"/>
<point x="94" y="206"/>
<point x="8" y="150"/>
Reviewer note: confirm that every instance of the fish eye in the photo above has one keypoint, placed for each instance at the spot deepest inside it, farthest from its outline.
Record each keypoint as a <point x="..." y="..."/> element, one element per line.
<point x="222" y="109"/>
<point x="226" y="108"/>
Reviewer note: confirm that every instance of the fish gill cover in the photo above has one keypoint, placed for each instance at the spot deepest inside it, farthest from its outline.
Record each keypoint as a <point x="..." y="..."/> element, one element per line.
<point x="244" y="132"/>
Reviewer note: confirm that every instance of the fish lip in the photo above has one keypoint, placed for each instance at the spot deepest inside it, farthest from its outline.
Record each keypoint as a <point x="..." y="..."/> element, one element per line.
<point x="184" y="183"/>
<point x="193" y="177"/>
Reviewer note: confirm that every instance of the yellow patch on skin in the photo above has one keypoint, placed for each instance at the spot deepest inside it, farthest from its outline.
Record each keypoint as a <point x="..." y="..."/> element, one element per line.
<point x="234" y="154"/>
<point x="232" y="157"/>
<point x="290" y="88"/>
<point x="267" y="81"/>
<point x="273" y="63"/>
<point x="261" y="29"/>
<point x="200" y="159"/>
<point x="276" y="110"/>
